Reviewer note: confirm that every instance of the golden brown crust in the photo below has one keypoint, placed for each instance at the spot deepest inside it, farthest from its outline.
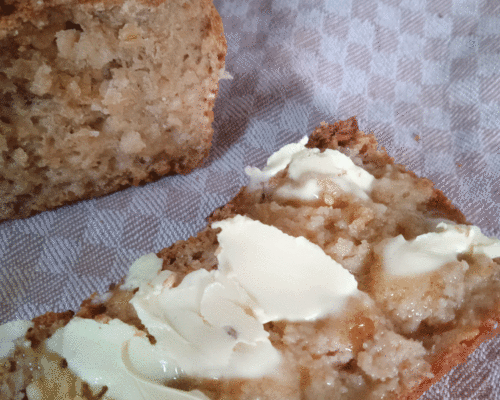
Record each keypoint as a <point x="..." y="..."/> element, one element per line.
<point x="45" y="325"/>
<point x="444" y="208"/>
<point x="347" y="134"/>
<point x="188" y="255"/>
<point x="158" y="170"/>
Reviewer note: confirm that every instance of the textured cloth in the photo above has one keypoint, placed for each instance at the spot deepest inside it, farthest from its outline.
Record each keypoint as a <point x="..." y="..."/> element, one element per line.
<point x="423" y="76"/>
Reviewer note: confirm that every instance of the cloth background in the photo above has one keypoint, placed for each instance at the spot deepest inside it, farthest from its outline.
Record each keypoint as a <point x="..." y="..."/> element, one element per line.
<point x="423" y="75"/>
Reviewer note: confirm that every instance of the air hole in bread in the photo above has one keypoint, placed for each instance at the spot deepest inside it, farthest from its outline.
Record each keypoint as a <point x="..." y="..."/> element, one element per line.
<point x="12" y="366"/>
<point x="107" y="69"/>
<point x="26" y="95"/>
<point x="97" y="123"/>
<point x="6" y="9"/>
<point x="18" y="206"/>
<point x="71" y="25"/>
<point x="37" y="189"/>
<point x="12" y="143"/>
<point x="350" y="366"/>
<point x="6" y="99"/>
<point x="112" y="163"/>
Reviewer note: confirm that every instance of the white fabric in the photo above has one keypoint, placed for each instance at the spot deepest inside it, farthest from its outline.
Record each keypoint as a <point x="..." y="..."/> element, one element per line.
<point x="409" y="69"/>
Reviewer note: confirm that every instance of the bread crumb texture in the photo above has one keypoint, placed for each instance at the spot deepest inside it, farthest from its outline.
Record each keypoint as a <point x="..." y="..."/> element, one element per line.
<point x="96" y="96"/>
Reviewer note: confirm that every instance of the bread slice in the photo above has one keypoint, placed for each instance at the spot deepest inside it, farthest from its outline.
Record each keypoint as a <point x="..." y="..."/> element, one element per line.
<point x="96" y="96"/>
<point x="376" y="348"/>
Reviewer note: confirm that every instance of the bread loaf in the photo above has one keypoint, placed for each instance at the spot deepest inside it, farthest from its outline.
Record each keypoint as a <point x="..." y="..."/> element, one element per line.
<point x="96" y="96"/>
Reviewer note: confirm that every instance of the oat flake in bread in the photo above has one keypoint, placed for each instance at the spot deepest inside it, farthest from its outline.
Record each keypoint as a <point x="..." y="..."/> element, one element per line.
<point x="99" y="95"/>
<point x="210" y="317"/>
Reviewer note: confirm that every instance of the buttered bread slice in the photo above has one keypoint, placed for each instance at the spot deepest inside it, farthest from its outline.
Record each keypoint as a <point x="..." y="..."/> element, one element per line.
<point x="335" y="274"/>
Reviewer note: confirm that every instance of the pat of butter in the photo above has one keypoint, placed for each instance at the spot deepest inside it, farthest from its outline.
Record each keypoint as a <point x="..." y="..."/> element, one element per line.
<point x="289" y="278"/>
<point x="211" y="324"/>
<point x="206" y="324"/>
<point x="142" y="270"/>
<point x="118" y="356"/>
<point x="430" y="251"/>
<point x="306" y="166"/>
<point x="277" y="162"/>
<point x="10" y="333"/>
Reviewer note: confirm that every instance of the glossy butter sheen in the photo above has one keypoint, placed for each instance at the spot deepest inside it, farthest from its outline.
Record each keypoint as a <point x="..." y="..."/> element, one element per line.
<point x="211" y="324"/>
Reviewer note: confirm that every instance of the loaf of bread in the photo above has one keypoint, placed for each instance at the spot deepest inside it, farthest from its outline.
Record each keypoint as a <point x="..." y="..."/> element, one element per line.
<point x="96" y="96"/>
<point x="419" y="309"/>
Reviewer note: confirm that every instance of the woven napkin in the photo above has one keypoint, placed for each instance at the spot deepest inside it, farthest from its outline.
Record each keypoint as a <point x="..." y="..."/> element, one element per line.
<point x="423" y="76"/>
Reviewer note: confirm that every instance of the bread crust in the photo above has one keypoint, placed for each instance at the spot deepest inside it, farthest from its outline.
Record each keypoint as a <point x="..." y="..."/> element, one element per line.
<point x="347" y="134"/>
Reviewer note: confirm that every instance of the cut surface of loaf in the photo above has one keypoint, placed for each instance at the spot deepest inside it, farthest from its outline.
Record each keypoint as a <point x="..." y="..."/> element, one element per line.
<point x="97" y="96"/>
<point x="396" y="336"/>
